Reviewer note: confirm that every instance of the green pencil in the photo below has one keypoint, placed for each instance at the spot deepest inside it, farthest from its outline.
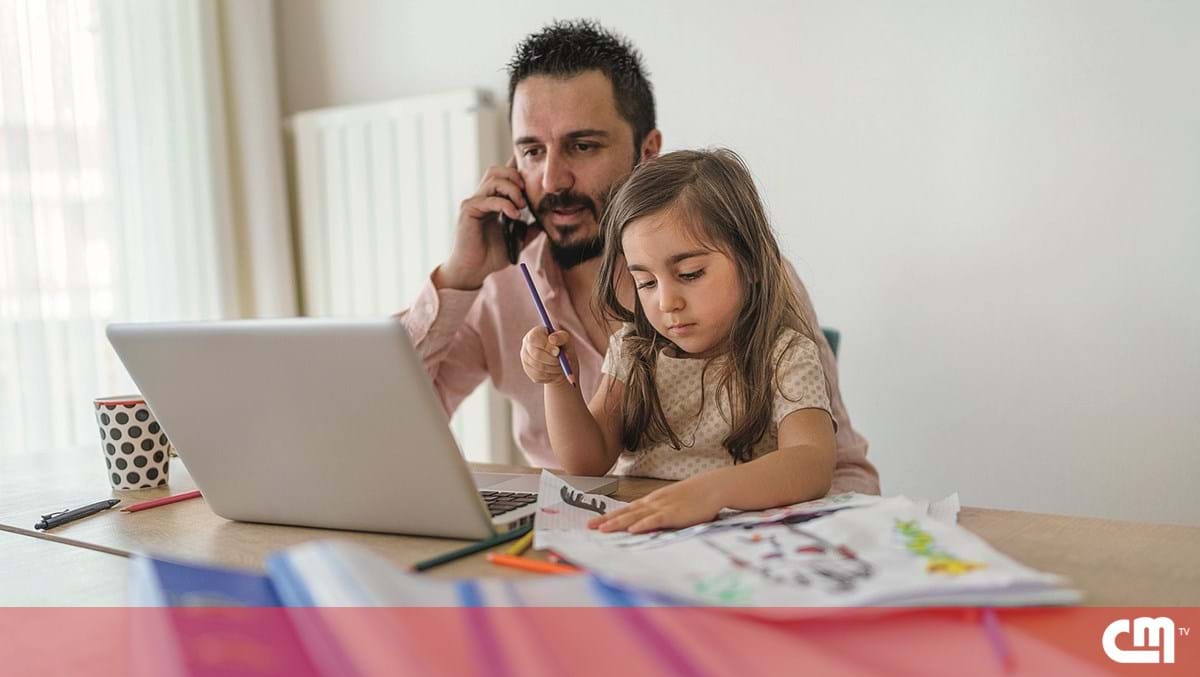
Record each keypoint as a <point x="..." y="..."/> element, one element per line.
<point x="473" y="548"/>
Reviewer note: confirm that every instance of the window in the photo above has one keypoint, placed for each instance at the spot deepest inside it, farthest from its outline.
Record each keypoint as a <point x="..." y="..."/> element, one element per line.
<point x="112" y="203"/>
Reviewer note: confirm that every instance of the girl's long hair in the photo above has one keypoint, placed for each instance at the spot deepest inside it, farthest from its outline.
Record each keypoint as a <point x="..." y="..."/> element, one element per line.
<point x="714" y="192"/>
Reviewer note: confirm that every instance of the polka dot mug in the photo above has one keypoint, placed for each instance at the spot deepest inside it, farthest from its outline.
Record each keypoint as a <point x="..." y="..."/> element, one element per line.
<point x="137" y="452"/>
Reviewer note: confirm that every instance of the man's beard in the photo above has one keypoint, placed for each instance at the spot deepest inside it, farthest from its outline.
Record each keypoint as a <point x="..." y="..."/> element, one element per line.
<point x="571" y="254"/>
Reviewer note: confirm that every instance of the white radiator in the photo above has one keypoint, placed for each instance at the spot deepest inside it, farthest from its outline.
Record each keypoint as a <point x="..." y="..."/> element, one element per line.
<point x="379" y="187"/>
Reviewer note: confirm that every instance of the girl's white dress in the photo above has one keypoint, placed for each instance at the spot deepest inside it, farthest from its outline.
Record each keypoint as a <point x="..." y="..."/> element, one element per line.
<point x="801" y="385"/>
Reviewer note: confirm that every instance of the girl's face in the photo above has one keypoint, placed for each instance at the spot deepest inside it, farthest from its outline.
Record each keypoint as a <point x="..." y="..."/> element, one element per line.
<point x="690" y="293"/>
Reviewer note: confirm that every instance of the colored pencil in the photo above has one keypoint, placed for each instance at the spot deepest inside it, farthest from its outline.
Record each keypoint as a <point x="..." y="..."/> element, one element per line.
<point x="534" y="565"/>
<point x="145" y="505"/>
<point x="522" y="545"/>
<point x="537" y="301"/>
<point x="995" y="636"/>
<point x="473" y="548"/>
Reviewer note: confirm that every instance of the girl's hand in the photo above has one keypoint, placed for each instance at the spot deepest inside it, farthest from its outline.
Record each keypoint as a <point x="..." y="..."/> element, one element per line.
<point x="691" y="501"/>
<point x="539" y="356"/>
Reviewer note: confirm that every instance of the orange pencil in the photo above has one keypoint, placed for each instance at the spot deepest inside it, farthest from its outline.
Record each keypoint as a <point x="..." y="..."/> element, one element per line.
<point x="536" y="566"/>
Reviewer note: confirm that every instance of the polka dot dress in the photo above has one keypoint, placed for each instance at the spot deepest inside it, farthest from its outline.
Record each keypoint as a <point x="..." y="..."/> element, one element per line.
<point x="136" y="450"/>
<point x="801" y="385"/>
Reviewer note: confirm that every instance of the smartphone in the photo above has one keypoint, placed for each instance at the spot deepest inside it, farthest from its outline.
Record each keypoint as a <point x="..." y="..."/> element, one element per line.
<point x="515" y="230"/>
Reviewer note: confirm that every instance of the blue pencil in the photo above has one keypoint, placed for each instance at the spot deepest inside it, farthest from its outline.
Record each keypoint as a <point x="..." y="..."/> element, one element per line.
<point x="537" y="301"/>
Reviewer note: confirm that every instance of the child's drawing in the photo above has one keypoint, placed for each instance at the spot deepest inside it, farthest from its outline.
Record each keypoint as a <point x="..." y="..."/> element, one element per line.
<point x="726" y="587"/>
<point x="920" y="542"/>
<point x="580" y="500"/>
<point x="736" y="522"/>
<point x="787" y="555"/>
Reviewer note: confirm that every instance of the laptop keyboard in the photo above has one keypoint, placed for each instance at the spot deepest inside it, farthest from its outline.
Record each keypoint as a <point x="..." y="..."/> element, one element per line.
<point x="500" y="502"/>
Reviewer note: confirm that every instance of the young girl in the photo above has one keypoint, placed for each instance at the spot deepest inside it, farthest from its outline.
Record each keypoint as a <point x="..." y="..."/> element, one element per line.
<point x="713" y="378"/>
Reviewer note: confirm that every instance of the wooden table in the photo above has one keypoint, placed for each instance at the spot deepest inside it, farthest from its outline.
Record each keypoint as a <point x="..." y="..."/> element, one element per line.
<point x="1112" y="562"/>
<point x="39" y="572"/>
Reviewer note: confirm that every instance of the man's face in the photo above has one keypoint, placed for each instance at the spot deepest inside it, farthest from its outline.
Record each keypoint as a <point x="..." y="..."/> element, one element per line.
<point x="571" y="146"/>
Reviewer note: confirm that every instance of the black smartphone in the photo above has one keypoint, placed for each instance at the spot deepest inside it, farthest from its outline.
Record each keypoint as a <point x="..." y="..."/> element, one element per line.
<point x="515" y="231"/>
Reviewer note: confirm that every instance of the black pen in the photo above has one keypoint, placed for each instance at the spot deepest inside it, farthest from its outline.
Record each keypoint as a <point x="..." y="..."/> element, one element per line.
<point x="55" y="519"/>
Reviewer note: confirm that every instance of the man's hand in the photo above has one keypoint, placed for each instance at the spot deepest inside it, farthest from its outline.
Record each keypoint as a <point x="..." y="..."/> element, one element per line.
<point x="479" y="249"/>
<point x="682" y="504"/>
<point x="539" y="356"/>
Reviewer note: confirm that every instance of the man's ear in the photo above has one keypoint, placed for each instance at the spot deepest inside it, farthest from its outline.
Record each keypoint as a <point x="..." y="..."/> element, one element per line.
<point x="651" y="146"/>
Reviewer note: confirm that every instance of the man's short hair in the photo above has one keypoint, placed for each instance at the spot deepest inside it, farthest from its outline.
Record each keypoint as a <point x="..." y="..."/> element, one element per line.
<point x="565" y="49"/>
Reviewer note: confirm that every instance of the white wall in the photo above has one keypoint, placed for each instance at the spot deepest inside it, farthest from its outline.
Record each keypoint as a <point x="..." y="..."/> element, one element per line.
<point x="997" y="203"/>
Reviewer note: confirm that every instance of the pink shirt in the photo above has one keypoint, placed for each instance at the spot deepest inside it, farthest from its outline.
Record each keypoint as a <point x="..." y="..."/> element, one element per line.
<point x="465" y="337"/>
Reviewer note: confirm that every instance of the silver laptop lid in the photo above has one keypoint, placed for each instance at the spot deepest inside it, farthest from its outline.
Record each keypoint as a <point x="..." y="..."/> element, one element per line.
<point x="312" y="422"/>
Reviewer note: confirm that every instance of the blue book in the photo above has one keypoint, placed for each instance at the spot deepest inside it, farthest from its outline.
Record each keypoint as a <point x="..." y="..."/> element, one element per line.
<point x="212" y="621"/>
<point x="160" y="582"/>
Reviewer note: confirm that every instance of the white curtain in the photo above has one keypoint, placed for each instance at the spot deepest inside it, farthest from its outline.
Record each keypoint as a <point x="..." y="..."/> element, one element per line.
<point x="135" y="184"/>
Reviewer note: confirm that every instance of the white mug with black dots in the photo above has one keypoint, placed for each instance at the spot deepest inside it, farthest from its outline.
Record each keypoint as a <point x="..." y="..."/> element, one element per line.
<point x="137" y="452"/>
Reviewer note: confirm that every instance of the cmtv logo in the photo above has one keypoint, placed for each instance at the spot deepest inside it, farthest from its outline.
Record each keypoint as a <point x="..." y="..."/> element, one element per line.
<point x="1147" y="632"/>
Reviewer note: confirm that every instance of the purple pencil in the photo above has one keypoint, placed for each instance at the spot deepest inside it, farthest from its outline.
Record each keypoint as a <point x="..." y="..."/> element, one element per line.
<point x="537" y="301"/>
<point x="991" y="628"/>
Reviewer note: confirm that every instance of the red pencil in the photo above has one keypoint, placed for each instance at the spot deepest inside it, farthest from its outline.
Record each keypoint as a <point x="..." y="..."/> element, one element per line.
<point x="162" y="501"/>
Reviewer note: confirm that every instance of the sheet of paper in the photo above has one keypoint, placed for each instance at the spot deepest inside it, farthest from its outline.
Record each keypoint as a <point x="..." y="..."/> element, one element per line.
<point x="563" y="509"/>
<point x="946" y="510"/>
<point x="838" y="551"/>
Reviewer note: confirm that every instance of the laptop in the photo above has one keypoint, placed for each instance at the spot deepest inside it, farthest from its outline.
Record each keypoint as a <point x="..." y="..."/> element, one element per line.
<point x="319" y="423"/>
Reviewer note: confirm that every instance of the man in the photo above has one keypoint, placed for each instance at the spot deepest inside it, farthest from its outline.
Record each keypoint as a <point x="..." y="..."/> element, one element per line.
<point x="582" y="117"/>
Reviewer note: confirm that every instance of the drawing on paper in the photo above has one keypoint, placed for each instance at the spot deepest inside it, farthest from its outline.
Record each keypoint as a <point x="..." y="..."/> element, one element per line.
<point x="726" y="587"/>
<point x="920" y="542"/>
<point x="787" y="555"/>
<point x="576" y="498"/>
<point x="657" y="539"/>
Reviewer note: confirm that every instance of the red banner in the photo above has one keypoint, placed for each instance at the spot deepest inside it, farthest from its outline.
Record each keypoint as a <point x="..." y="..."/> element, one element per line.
<point x="602" y="641"/>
